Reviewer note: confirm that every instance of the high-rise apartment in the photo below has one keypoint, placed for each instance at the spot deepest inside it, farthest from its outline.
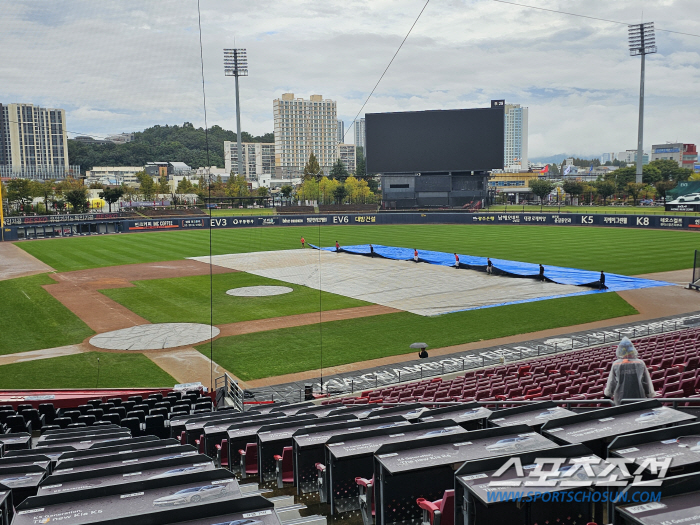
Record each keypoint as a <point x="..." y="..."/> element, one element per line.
<point x="360" y="140"/>
<point x="341" y="131"/>
<point x="515" y="145"/>
<point x="258" y="158"/>
<point x="346" y="153"/>
<point x="303" y="127"/>
<point x="33" y="142"/>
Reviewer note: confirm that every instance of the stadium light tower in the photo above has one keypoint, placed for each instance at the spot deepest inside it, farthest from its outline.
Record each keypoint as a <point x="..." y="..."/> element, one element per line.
<point x="236" y="65"/>
<point x="642" y="41"/>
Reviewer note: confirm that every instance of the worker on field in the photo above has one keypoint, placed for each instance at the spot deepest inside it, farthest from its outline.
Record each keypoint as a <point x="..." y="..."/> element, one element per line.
<point x="371" y="251"/>
<point x="415" y="255"/>
<point x="456" y="261"/>
<point x="303" y="242"/>
<point x="541" y="277"/>
<point x="489" y="266"/>
<point x="602" y="281"/>
<point x="629" y="377"/>
<point x="337" y="246"/>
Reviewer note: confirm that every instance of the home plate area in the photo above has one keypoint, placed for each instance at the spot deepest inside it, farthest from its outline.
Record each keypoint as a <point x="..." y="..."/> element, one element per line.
<point x="419" y="288"/>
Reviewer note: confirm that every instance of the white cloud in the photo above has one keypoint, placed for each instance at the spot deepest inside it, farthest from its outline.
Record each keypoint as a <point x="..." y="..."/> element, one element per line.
<point x="124" y="65"/>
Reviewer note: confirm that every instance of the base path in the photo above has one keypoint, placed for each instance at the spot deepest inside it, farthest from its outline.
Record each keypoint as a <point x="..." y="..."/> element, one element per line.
<point x="289" y="321"/>
<point x="15" y="262"/>
<point x="33" y="355"/>
<point x="78" y="290"/>
<point x="187" y="365"/>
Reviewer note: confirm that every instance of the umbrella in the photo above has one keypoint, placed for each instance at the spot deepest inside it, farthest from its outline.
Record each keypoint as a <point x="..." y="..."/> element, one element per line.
<point x="419" y="345"/>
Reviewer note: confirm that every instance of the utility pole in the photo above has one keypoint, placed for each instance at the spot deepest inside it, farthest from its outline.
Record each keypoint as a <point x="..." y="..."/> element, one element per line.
<point x="642" y="41"/>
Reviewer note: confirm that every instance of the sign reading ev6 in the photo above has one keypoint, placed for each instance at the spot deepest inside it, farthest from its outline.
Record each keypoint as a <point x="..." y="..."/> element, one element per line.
<point x="340" y="219"/>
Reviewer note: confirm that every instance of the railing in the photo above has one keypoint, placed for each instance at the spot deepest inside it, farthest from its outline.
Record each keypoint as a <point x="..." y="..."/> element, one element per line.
<point x="228" y="392"/>
<point x="472" y="362"/>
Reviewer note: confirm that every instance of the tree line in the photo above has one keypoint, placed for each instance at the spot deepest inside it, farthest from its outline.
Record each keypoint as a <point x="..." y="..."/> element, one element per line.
<point x="172" y="143"/>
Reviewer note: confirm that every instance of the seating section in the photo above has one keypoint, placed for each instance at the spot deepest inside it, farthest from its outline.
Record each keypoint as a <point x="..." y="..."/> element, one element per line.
<point x="672" y="359"/>
<point x="150" y="416"/>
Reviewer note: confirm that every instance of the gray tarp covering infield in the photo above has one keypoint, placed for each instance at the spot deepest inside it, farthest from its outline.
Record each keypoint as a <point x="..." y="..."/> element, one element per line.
<point x="423" y="289"/>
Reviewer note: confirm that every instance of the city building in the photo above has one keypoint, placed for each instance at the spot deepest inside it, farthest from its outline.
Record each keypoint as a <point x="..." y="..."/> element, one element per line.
<point x="113" y="175"/>
<point x="360" y="139"/>
<point x="686" y="155"/>
<point x="630" y="157"/>
<point x="34" y="142"/>
<point x="515" y="143"/>
<point x="341" y="132"/>
<point x="515" y="185"/>
<point x="166" y="169"/>
<point x="346" y="153"/>
<point x="120" y="138"/>
<point x="258" y="158"/>
<point x="303" y="127"/>
<point x="607" y="157"/>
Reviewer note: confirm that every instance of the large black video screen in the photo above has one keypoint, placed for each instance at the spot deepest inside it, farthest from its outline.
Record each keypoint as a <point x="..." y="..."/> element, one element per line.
<point x="442" y="140"/>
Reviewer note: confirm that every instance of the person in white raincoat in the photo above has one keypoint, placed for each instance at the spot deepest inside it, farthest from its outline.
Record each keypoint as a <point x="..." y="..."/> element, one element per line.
<point x="629" y="377"/>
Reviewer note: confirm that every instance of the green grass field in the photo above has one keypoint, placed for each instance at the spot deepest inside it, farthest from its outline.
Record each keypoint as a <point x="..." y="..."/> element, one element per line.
<point x="284" y="351"/>
<point x="80" y="371"/>
<point x="186" y="299"/>
<point x="624" y="251"/>
<point x="32" y="319"/>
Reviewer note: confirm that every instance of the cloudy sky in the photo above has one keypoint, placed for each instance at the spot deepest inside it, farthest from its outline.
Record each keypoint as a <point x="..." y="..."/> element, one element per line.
<point x="126" y="65"/>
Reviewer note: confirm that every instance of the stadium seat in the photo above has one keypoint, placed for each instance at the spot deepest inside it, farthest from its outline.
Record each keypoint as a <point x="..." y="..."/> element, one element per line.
<point x="160" y="411"/>
<point x="439" y="512"/>
<point x="139" y="414"/>
<point x="199" y="443"/>
<point x="97" y="412"/>
<point x="183" y="438"/>
<point x="117" y="401"/>
<point x="133" y="424"/>
<point x="249" y="460"/>
<point x="128" y="405"/>
<point x="119" y="410"/>
<point x="95" y="402"/>
<point x="222" y="453"/>
<point x="77" y="425"/>
<point x="62" y="422"/>
<point x="155" y="426"/>
<point x="284" y="467"/>
<point x="88" y="419"/>
<point x="22" y="407"/>
<point x="32" y="415"/>
<point x="112" y="418"/>
<point x="135" y="399"/>
<point x="17" y="423"/>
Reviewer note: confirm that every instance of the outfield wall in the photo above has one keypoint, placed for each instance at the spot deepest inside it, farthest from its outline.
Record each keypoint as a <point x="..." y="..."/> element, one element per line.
<point x="19" y="228"/>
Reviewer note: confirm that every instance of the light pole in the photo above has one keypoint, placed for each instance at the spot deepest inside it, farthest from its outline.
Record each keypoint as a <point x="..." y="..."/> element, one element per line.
<point x="642" y="41"/>
<point x="236" y="65"/>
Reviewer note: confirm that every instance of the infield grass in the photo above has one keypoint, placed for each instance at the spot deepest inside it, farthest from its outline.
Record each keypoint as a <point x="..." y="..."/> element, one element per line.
<point x="32" y="319"/>
<point x="81" y="371"/>
<point x="186" y="299"/>
<point x="625" y="251"/>
<point x="289" y="350"/>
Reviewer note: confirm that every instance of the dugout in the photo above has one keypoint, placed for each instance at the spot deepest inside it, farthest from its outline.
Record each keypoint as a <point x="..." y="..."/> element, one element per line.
<point x="215" y="431"/>
<point x="15" y="441"/>
<point x="240" y="434"/>
<point x="6" y="506"/>
<point x="23" y="481"/>
<point x="115" y="473"/>
<point x="309" y="446"/>
<point x="273" y="438"/>
<point x="469" y="416"/>
<point x="63" y="229"/>
<point x="349" y="457"/>
<point x="424" y="468"/>
<point x="194" y="427"/>
<point x="681" y="443"/>
<point x="130" y="499"/>
<point x="679" y="502"/>
<point x="129" y="458"/>
<point x="597" y="428"/>
<point x="475" y="500"/>
<point x="533" y="415"/>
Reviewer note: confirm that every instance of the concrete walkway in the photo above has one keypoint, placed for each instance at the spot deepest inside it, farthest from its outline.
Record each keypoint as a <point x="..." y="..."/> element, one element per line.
<point x="187" y="365"/>
<point x="15" y="262"/>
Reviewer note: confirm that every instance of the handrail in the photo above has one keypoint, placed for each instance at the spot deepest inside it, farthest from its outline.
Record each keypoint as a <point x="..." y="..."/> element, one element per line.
<point x="227" y="389"/>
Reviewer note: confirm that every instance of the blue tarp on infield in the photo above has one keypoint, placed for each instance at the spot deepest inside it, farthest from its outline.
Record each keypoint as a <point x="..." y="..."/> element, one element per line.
<point x="557" y="274"/>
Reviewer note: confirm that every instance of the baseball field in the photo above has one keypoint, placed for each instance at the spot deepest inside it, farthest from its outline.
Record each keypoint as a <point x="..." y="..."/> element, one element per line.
<point x="75" y="288"/>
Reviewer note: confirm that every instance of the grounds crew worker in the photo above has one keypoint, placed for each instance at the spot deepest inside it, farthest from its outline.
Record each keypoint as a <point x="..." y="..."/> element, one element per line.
<point x="629" y="377"/>
<point x="302" y="242"/>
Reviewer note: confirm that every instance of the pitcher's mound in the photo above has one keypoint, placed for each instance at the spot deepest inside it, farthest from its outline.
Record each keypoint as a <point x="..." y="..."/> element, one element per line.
<point x="155" y="336"/>
<point x="259" y="291"/>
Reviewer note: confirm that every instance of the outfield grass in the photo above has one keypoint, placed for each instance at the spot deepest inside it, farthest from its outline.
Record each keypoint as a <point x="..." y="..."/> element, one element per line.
<point x="297" y="349"/>
<point x="624" y="251"/>
<point x="186" y="299"/>
<point x="32" y="319"/>
<point x="80" y="371"/>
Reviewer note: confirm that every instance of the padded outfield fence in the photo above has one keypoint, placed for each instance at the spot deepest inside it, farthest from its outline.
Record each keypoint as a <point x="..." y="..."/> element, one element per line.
<point x="18" y="228"/>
